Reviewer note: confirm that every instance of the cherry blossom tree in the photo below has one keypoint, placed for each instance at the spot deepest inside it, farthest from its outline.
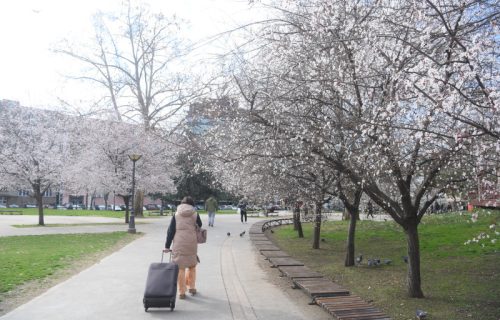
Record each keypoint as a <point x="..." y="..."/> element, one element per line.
<point x="37" y="146"/>
<point x="402" y="81"/>
<point x="106" y="164"/>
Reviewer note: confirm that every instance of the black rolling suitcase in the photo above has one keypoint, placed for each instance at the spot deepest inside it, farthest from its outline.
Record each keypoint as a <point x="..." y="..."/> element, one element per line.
<point x="161" y="285"/>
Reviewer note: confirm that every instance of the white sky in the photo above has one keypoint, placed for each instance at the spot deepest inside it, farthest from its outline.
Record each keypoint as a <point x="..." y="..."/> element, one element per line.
<point x="31" y="73"/>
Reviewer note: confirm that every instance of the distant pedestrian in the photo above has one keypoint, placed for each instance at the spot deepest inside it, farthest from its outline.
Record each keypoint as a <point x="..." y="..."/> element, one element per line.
<point x="211" y="206"/>
<point x="369" y="210"/>
<point x="242" y="206"/>
<point x="437" y="207"/>
<point x="182" y="232"/>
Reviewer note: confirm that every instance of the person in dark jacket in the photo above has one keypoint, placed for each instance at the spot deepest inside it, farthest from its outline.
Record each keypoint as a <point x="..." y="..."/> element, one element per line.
<point x="242" y="205"/>
<point x="182" y="232"/>
<point x="369" y="209"/>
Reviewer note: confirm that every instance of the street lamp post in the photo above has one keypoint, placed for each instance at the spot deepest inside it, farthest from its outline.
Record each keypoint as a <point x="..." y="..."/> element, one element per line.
<point x="131" y="223"/>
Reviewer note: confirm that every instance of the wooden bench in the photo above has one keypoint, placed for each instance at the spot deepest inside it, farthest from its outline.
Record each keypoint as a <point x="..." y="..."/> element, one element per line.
<point x="267" y="247"/>
<point x="298" y="272"/>
<point x="350" y="307"/>
<point x="256" y="230"/>
<point x="258" y="237"/>
<point x="336" y="300"/>
<point x="262" y="241"/>
<point x="319" y="287"/>
<point x="274" y="254"/>
<point x="284" y="261"/>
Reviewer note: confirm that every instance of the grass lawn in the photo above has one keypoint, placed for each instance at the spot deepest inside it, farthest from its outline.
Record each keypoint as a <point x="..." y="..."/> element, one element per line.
<point x="459" y="281"/>
<point x="99" y="213"/>
<point x="55" y="225"/>
<point x="28" y="258"/>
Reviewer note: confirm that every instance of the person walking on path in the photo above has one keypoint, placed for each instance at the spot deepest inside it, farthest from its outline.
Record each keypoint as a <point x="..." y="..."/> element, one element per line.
<point x="369" y="208"/>
<point x="211" y="206"/>
<point x="242" y="206"/>
<point x="182" y="232"/>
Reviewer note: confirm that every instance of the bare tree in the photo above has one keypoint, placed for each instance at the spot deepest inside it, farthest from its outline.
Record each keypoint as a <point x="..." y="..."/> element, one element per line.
<point x="136" y="57"/>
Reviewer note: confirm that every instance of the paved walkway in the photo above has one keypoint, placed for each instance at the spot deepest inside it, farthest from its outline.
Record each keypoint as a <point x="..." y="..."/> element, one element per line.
<point x="231" y="282"/>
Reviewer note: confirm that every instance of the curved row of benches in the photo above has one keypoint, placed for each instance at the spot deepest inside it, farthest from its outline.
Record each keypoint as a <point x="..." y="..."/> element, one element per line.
<point x="337" y="301"/>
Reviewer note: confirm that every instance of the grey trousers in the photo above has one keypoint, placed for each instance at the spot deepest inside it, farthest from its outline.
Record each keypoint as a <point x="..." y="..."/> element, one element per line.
<point x="211" y="218"/>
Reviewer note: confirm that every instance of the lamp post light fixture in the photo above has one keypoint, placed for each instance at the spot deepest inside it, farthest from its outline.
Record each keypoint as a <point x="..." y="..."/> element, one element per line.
<point x="131" y="222"/>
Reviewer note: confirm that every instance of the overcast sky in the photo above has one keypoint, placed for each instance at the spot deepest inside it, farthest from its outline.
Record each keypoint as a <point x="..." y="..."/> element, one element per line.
<point x="31" y="73"/>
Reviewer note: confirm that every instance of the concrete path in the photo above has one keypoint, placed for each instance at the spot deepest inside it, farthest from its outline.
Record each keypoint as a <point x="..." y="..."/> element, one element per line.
<point x="232" y="281"/>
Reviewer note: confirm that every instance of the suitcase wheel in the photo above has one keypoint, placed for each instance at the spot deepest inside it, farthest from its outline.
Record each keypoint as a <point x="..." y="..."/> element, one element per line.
<point x="145" y="309"/>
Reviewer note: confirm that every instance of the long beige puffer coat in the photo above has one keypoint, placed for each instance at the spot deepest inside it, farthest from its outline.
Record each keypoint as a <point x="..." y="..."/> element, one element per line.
<point x="185" y="246"/>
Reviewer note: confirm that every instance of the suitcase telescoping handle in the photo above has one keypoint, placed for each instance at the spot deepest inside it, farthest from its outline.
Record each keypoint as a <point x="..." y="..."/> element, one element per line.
<point x="163" y="253"/>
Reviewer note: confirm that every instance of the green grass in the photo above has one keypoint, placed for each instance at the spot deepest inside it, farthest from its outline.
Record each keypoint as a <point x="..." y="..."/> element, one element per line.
<point x="27" y="258"/>
<point x="55" y="225"/>
<point x="218" y="212"/>
<point x="99" y="213"/>
<point x="56" y="212"/>
<point x="459" y="281"/>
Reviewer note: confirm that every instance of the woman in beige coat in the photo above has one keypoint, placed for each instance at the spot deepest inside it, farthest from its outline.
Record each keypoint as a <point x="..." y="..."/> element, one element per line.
<point x="182" y="232"/>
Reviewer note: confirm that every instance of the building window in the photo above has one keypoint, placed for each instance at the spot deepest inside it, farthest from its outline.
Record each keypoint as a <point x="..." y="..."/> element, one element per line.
<point x="3" y="201"/>
<point x="48" y="193"/>
<point x="23" y="193"/>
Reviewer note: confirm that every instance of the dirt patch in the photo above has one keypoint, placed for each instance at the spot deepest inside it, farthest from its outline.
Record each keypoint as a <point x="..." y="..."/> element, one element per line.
<point x="29" y="290"/>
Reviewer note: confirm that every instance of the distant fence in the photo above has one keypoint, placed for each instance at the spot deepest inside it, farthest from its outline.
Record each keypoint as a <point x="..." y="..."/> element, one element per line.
<point x="276" y="223"/>
<point x="326" y="216"/>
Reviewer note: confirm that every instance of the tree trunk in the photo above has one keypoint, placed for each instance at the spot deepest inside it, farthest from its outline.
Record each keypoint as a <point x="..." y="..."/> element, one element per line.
<point x="139" y="203"/>
<point x="106" y="196"/>
<point x="39" y="203"/>
<point x="414" y="281"/>
<point x="350" y="252"/>
<point x="299" y="227"/>
<point x="296" y="222"/>
<point x="126" y="199"/>
<point x="345" y="214"/>
<point x="317" y="225"/>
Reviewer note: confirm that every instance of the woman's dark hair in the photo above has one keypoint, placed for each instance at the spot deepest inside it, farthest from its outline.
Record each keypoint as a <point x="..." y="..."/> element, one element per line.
<point x="188" y="200"/>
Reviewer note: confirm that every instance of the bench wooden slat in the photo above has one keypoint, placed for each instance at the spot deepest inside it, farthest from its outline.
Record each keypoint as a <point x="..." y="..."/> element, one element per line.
<point x="338" y="299"/>
<point x="350" y="308"/>
<point x="274" y="254"/>
<point x="267" y="247"/>
<point x="284" y="261"/>
<point x="364" y="317"/>
<point x="255" y="236"/>
<point x="262" y="242"/>
<point x="299" y="272"/>
<point x="321" y="288"/>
